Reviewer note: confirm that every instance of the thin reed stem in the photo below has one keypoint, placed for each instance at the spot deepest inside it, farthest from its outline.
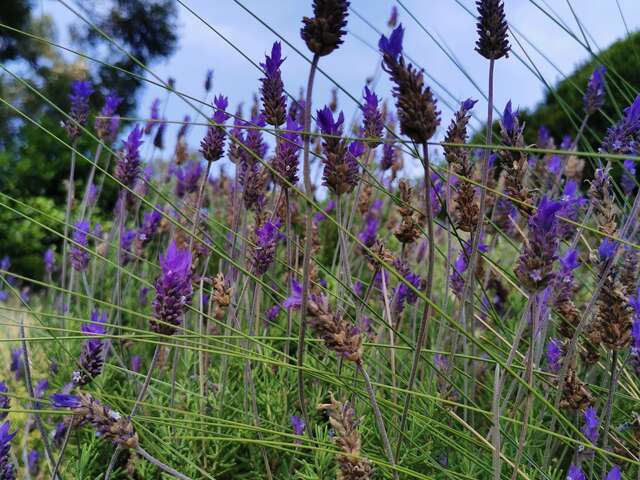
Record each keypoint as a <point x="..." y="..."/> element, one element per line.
<point x="29" y="383"/>
<point x="424" y="322"/>
<point x="141" y="395"/>
<point x="378" y="416"/>
<point x="608" y="407"/>
<point x="67" y="220"/>
<point x="165" y="468"/>
<point x="308" y="190"/>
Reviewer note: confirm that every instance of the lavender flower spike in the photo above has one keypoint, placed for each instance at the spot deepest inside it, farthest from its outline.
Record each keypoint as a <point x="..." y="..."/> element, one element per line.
<point x="7" y="470"/>
<point x="372" y="119"/>
<point x="297" y="424"/>
<point x="622" y="137"/>
<point x="492" y="28"/>
<point x="212" y="145"/>
<point x="554" y="355"/>
<point x="594" y="94"/>
<point x="80" y="92"/>
<point x="106" y="129"/>
<point x="128" y="164"/>
<point x="392" y="46"/>
<point x="173" y="290"/>
<point x="340" y="165"/>
<point x="575" y="473"/>
<point x="591" y="423"/>
<point x="5" y="403"/>
<point x="267" y="236"/>
<point x="79" y="256"/>
<point x="614" y="473"/>
<point x="324" y="31"/>
<point x="535" y="265"/>
<point x="285" y="162"/>
<point x="49" y="260"/>
<point x="274" y="103"/>
<point x="92" y="355"/>
<point x="108" y="423"/>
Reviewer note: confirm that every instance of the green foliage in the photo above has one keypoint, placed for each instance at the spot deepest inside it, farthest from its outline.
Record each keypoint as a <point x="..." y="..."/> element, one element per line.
<point x="23" y="239"/>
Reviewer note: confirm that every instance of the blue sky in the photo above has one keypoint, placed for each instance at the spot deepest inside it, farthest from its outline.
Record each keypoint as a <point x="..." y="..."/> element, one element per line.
<point x="537" y="23"/>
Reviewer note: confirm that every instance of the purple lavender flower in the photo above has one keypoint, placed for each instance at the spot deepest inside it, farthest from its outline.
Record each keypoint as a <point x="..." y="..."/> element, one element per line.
<point x="622" y="137"/>
<point x="372" y="123"/>
<point x="628" y="178"/>
<point x="591" y="423"/>
<point x="572" y="202"/>
<point x="40" y="388"/>
<point x="294" y="301"/>
<point x="154" y="116"/>
<point x="369" y="233"/>
<point x="128" y="163"/>
<point x="5" y="403"/>
<point x="267" y="236"/>
<point x="7" y="470"/>
<point x="254" y="142"/>
<point x="607" y="249"/>
<point x="136" y="363"/>
<point x="340" y="173"/>
<point x="17" y="363"/>
<point x="158" y="140"/>
<point x="92" y="194"/>
<point x="208" y="80"/>
<point x="150" y="223"/>
<point x="104" y="126"/>
<point x="554" y="355"/>
<point x="392" y="46"/>
<point x="64" y="400"/>
<point x="285" y="162"/>
<point x="80" y="92"/>
<point x="273" y="100"/>
<point x="388" y="155"/>
<point x="297" y="424"/>
<point x="184" y="128"/>
<point x="321" y="216"/>
<point x="460" y="266"/>
<point x="594" y="94"/>
<point x="272" y="313"/>
<point x="212" y="145"/>
<point x="188" y="178"/>
<point x="126" y="242"/>
<point x="108" y="423"/>
<point x="327" y="124"/>
<point x="33" y="462"/>
<point x="535" y="264"/>
<point x="510" y="121"/>
<point x="575" y="473"/>
<point x="393" y="17"/>
<point x="92" y="355"/>
<point x="544" y="137"/>
<point x="79" y="256"/>
<point x="403" y="293"/>
<point x="554" y="165"/>
<point x="440" y="362"/>
<point x="417" y="110"/>
<point x="614" y="473"/>
<point x="173" y="290"/>
<point x="49" y="260"/>
<point x="142" y="296"/>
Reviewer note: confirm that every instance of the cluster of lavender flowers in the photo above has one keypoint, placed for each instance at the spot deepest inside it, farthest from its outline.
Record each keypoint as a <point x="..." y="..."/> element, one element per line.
<point x="377" y="257"/>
